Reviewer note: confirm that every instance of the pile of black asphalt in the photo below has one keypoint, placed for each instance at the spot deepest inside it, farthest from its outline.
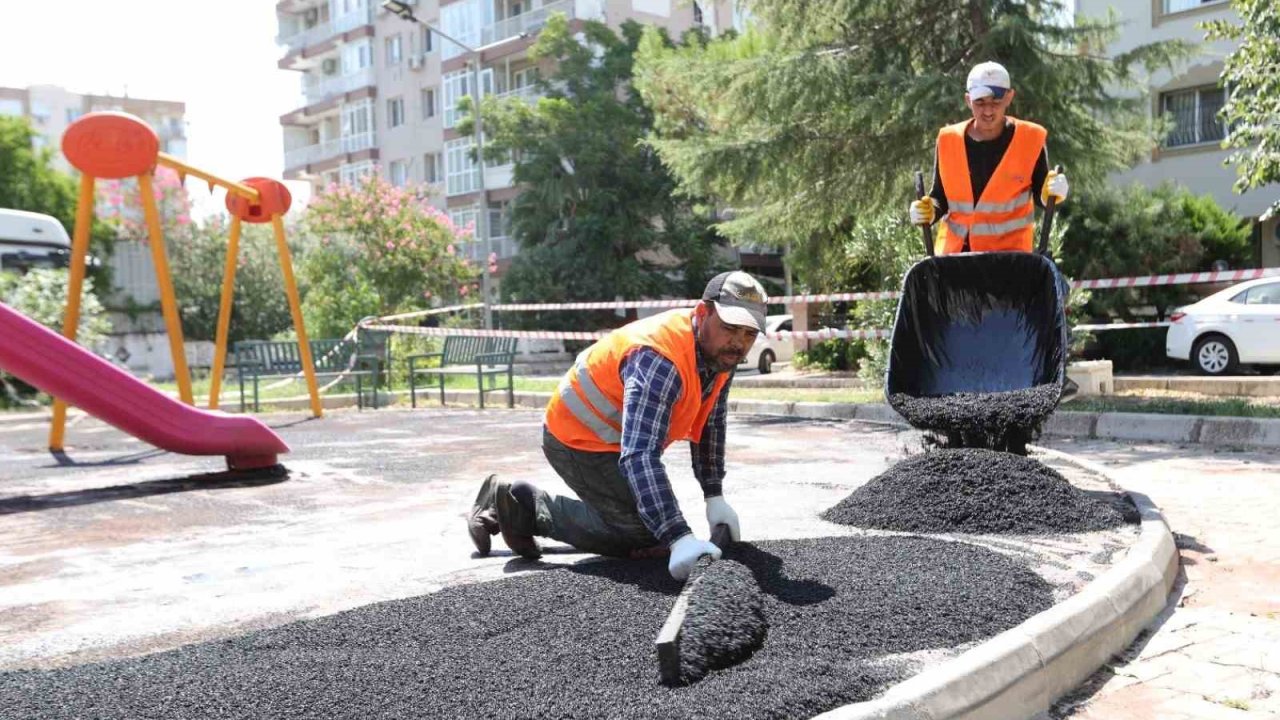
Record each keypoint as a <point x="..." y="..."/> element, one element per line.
<point x="978" y="491"/>
<point x="573" y="642"/>
<point x="998" y="420"/>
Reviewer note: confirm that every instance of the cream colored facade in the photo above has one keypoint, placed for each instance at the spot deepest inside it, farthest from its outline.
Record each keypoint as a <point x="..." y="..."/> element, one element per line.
<point x="1192" y="155"/>
<point x="380" y="94"/>
<point x="51" y="109"/>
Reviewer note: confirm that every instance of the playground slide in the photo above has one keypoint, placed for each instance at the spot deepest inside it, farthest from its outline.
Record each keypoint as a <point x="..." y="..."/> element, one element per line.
<point x="67" y="371"/>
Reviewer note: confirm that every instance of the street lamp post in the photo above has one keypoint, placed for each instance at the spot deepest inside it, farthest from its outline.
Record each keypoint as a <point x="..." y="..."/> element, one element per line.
<point x="405" y="12"/>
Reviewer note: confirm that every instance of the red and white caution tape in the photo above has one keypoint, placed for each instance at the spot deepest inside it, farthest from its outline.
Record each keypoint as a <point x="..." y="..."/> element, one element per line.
<point x="1222" y="276"/>
<point x="1119" y="326"/>
<point x="471" y="332"/>
<point x="433" y="311"/>
<point x="1098" y="284"/>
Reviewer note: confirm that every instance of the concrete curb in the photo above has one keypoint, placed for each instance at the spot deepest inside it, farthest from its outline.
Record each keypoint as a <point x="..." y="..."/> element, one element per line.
<point x="1021" y="672"/>
<point x="1221" y="387"/>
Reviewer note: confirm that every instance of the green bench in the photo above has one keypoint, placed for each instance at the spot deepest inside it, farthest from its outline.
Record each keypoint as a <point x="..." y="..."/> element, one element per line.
<point x="482" y="357"/>
<point x="258" y="360"/>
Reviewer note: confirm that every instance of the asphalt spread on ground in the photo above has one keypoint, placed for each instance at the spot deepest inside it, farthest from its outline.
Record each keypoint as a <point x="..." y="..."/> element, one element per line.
<point x="573" y="642"/>
<point x="978" y="491"/>
<point x="724" y="622"/>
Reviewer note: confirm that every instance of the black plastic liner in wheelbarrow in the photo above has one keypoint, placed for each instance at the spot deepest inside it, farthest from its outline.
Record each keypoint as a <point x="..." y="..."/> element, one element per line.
<point x="979" y="348"/>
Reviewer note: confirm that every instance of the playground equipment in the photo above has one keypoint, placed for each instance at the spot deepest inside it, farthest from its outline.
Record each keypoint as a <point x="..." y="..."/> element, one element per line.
<point x="114" y="145"/>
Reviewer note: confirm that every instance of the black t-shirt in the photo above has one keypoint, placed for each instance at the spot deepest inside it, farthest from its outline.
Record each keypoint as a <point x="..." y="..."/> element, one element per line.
<point x="984" y="156"/>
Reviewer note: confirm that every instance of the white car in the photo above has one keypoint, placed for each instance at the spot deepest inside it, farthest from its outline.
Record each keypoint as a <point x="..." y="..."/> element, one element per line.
<point x="1240" y="325"/>
<point x="766" y="351"/>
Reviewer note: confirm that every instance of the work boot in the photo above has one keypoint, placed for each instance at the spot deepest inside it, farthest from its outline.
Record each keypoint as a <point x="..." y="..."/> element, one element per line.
<point x="482" y="521"/>
<point x="517" y="517"/>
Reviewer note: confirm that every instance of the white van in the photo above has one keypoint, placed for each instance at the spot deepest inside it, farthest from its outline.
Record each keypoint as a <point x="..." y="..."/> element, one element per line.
<point x="29" y="240"/>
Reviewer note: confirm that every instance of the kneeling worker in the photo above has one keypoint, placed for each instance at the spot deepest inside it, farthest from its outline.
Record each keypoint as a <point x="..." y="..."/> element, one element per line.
<point x="629" y="396"/>
<point x="987" y="172"/>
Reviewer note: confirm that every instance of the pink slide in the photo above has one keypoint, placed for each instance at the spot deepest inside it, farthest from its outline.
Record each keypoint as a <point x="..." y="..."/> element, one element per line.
<point x="45" y="359"/>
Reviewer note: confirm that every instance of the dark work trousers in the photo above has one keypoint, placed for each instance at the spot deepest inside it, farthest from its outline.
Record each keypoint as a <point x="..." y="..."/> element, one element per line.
<point x="603" y="519"/>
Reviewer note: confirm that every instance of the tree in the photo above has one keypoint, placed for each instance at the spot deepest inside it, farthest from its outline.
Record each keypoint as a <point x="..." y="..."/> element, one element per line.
<point x="122" y="202"/>
<point x="41" y="294"/>
<point x="1118" y="232"/>
<point x="29" y="181"/>
<point x="1252" y="72"/>
<point x="818" y="113"/>
<point x="598" y="218"/>
<point x="375" y="249"/>
<point x="197" y="254"/>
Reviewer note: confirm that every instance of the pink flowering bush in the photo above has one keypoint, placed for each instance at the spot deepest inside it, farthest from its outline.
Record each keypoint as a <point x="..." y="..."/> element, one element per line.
<point x="120" y="202"/>
<point x="375" y="249"/>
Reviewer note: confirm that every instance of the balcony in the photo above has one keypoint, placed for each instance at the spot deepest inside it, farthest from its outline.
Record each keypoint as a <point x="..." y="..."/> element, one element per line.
<point x="527" y="23"/>
<point x="309" y="154"/>
<point x="336" y="86"/>
<point x="528" y="93"/>
<point x="322" y="31"/>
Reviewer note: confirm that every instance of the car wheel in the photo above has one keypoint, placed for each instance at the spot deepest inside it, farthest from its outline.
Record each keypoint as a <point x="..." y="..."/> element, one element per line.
<point x="766" y="362"/>
<point x="1215" y="355"/>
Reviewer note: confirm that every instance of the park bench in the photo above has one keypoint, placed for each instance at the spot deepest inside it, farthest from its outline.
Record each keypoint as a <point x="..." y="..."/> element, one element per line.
<point x="258" y="360"/>
<point x="483" y="357"/>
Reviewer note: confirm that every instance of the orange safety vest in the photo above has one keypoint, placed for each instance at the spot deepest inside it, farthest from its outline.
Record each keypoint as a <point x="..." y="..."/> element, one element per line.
<point x="585" y="413"/>
<point x="1003" y="218"/>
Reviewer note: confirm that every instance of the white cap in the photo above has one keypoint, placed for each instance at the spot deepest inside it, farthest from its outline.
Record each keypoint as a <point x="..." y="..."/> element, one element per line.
<point x="988" y="79"/>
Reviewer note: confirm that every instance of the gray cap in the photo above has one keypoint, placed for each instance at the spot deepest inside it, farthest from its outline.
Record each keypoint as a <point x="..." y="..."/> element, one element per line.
<point x="739" y="299"/>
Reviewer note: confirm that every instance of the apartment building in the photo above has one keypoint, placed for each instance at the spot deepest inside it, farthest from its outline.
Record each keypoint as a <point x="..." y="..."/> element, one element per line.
<point x="1191" y="154"/>
<point x="378" y="92"/>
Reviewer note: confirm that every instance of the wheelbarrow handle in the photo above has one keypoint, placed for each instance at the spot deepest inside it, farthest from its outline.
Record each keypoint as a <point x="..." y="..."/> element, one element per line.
<point x="1046" y="225"/>
<point x="928" y="231"/>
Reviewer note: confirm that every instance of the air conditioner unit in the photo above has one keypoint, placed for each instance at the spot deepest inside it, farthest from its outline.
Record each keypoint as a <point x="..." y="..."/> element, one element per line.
<point x="416" y="62"/>
<point x="329" y="66"/>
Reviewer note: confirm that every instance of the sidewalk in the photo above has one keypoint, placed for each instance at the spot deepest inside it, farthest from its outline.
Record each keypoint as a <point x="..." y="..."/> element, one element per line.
<point x="1215" y="653"/>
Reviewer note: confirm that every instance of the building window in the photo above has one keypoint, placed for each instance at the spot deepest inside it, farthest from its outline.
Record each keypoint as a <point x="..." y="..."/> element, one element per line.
<point x="1195" y="116"/>
<point x="428" y="41"/>
<point x="697" y="13"/>
<point x="433" y="168"/>
<point x="356" y="57"/>
<point x="463" y="218"/>
<point x="355" y="173"/>
<point x="428" y="96"/>
<point x="464" y="20"/>
<point x="457" y="85"/>
<point x="1173" y="6"/>
<point x="461" y="174"/>
<point x="357" y="126"/>
<point x="398" y="172"/>
<point x="394" y="51"/>
<point x="395" y="112"/>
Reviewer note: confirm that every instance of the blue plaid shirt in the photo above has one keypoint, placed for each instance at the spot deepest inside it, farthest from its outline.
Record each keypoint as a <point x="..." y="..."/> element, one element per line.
<point x="651" y="387"/>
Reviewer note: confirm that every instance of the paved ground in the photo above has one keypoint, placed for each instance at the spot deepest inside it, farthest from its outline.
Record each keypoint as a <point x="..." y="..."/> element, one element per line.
<point x="1215" y="652"/>
<point x="124" y="552"/>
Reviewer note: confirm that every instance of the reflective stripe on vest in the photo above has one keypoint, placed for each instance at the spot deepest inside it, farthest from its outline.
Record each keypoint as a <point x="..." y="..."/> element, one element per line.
<point x="1003" y="218"/>
<point x="585" y="412"/>
<point x="595" y="400"/>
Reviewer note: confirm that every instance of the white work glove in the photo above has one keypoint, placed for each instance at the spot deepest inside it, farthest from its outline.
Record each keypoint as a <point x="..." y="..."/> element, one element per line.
<point x="718" y="511"/>
<point x="922" y="211"/>
<point x="685" y="553"/>
<point x="1055" y="186"/>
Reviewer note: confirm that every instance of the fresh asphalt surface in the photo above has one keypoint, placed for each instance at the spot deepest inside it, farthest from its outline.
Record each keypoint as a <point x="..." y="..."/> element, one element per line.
<point x="201" y="594"/>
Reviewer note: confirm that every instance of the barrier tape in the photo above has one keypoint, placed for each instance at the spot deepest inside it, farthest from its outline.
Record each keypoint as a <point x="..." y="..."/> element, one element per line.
<point x="823" y="334"/>
<point x="1120" y="326"/>
<point x="1179" y="279"/>
<point x="1098" y="284"/>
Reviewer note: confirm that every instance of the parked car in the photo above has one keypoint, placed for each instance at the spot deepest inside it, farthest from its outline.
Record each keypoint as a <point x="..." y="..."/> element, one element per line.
<point x="1240" y="325"/>
<point x="766" y="351"/>
<point x="30" y="240"/>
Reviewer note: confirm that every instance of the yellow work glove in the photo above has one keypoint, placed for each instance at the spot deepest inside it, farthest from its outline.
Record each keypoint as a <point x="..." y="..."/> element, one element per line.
<point x="922" y="211"/>
<point x="1055" y="186"/>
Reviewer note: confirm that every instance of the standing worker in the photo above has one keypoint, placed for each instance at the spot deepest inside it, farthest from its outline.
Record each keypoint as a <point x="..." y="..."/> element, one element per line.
<point x="984" y="173"/>
<point x="628" y="397"/>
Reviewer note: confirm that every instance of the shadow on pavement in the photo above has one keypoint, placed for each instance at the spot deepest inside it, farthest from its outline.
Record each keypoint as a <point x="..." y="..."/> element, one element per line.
<point x="206" y="481"/>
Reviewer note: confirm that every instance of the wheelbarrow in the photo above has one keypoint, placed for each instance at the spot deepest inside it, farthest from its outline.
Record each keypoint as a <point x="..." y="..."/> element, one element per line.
<point x="977" y="324"/>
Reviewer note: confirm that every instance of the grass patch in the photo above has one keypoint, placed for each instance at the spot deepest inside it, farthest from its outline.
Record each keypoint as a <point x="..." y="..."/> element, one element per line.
<point x="1207" y="406"/>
